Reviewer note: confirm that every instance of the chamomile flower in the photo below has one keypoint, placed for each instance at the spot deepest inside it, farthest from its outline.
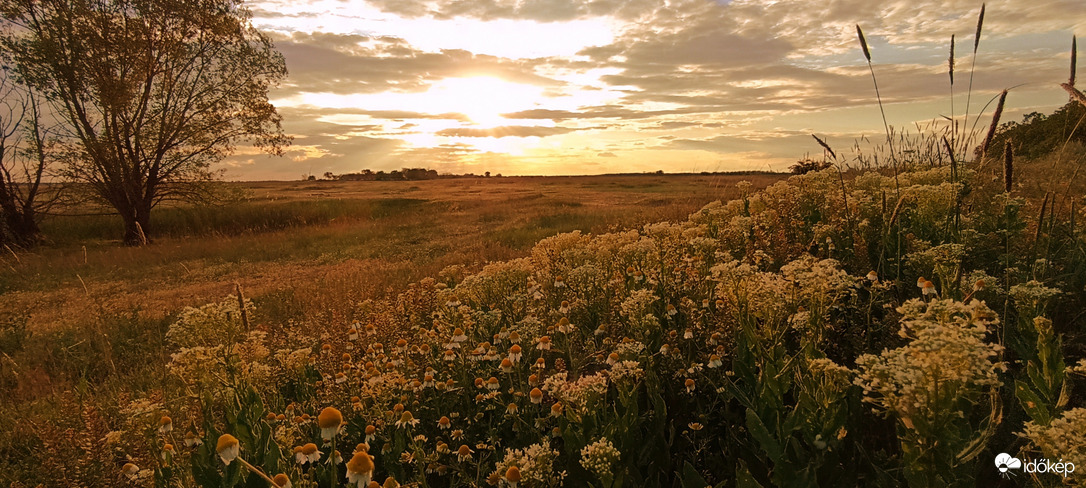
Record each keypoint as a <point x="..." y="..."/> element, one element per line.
<point x="464" y="453"/>
<point x="544" y="343"/>
<point x="165" y="425"/>
<point x="192" y="440"/>
<point x="329" y="420"/>
<point x="458" y="335"/>
<point x="282" y="481"/>
<point x="511" y="409"/>
<point x="515" y="353"/>
<point x="507" y="365"/>
<point x="130" y="471"/>
<point x="444" y="423"/>
<point x="492" y="384"/>
<point x="360" y="470"/>
<point x="168" y="453"/>
<point x="228" y="448"/>
<point x="512" y="476"/>
<point x="689" y="385"/>
<point x="536" y="395"/>
<point x="310" y="453"/>
<point x="407" y="419"/>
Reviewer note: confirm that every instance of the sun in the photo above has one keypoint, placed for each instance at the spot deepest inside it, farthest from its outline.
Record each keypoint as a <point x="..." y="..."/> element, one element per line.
<point x="482" y="99"/>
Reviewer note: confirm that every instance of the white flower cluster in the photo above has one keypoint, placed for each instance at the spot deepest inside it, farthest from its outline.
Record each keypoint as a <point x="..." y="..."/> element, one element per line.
<point x="1033" y="293"/>
<point x="1063" y="438"/>
<point x="638" y="309"/>
<point x="292" y="360"/>
<point x="598" y="457"/>
<point x="536" y="464"/>
<point x="946" y="360"/>
<point x="195" y="365"/>
<point x="1079" y="368"/>
<point x="581" y="393"/>
<point x="626" y="370"/>
<point x="830" y="372"/>
<point x="629" y="348"/>
<point x="818" y="278"/>
<point x="209" y="325"/>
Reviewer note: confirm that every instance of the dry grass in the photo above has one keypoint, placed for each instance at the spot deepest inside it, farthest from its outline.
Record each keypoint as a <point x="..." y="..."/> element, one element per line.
<point x="319" y="270"/>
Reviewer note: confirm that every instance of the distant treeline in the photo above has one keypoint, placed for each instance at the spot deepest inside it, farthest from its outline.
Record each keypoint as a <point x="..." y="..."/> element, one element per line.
<point x="405" y="174"/>
<point x="415" y="174"/>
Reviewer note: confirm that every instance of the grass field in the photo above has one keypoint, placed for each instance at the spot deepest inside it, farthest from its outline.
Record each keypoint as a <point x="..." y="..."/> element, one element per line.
<point x="316" y="248"/>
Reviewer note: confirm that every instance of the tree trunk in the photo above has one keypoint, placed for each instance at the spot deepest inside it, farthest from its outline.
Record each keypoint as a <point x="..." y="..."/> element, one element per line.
<point x="137" y="225"/>
<point x="24" y="228"/>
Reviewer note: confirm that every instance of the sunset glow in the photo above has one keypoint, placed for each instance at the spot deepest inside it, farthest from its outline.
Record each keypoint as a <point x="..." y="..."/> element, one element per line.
<point x="570" y="87"/>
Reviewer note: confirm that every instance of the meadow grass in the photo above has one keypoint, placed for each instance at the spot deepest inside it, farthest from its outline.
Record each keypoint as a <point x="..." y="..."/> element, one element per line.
<point x="85" y="317"/>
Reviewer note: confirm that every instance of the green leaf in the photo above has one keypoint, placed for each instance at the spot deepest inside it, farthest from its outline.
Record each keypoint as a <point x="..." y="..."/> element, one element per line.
<point x="691" y="478"/>
<point x="743" y="478"/>
<point x="1036" y="408"/>
<point x="764" y="438"/>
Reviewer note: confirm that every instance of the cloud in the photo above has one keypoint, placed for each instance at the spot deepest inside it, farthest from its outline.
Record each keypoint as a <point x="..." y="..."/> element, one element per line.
<point x="685" y="78"/>
<point x="505" y="131"/>
<point x="348" y="64"/>
<point x="539" y="10"/>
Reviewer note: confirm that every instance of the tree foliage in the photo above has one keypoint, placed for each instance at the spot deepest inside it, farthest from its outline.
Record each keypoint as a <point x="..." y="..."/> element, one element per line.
<point x="1040" y="134"/>
<point x="150" y="93"/>
<point x="24" y="160"/>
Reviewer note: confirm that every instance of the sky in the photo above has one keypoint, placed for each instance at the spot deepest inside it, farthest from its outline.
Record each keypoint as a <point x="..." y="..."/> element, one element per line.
<point x="561" y="87"/>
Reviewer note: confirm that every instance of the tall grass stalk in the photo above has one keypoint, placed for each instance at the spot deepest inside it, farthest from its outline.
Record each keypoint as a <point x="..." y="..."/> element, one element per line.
<point x="972" y="69"/>
<point x="841" y="178"/>
<point x="882" y="110"/>
<point x="950" y="70"/>
<point x="995" y="124"/>
<point x="954" y="179"/>
<point x="1008" y="167"/>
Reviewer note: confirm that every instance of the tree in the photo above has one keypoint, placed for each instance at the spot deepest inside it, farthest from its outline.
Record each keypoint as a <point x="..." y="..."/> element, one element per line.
<point x="1039" y="134"/>
<point x="150" y="93"/>
<point x="23" y="164"/>
<point x="807" y="165"/>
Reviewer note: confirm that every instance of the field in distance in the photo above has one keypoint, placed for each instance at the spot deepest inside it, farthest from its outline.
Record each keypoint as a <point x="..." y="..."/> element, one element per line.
<point x="313" y="249"/>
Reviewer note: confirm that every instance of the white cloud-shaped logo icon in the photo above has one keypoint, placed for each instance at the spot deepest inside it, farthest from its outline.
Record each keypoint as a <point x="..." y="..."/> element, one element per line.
<point x="1005" y="462"/>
